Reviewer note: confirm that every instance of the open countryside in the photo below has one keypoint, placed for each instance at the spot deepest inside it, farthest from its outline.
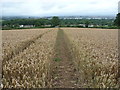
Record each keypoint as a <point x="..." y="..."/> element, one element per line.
<point x="58" y="44"/>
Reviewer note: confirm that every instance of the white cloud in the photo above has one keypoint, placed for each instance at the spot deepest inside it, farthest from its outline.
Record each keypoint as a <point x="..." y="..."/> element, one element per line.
<point x="59" y="7"/>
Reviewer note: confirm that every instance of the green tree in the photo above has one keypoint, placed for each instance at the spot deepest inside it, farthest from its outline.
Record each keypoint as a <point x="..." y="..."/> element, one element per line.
<point x="117" y="20"/>
<point x="87" y="23"/>
<point x="37" y="24"/>
<point x="55" y="21"/>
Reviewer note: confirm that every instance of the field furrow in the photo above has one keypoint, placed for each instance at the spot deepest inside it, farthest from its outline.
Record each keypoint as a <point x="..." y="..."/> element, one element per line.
<point x="64" y="74"/>
<point x="31" y="68"/>
<point x="95" y="55"/>
<point x="11" y="51"/>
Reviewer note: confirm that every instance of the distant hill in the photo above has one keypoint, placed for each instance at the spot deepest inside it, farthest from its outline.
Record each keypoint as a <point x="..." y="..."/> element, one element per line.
<point x="61" y="17"/>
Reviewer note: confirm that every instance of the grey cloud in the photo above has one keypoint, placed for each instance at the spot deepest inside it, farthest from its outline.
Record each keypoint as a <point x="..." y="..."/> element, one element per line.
<point x="12" y="4"/>
<point x="60" y="7"/>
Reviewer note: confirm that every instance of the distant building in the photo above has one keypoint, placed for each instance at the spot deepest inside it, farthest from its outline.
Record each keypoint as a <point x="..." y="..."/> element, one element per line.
<point x="56" y="26"/>
<point x="90" y="25"/>
<point x="83" y="25"/>
<point x="21" y="26"/>
<point x="26" y="26"/>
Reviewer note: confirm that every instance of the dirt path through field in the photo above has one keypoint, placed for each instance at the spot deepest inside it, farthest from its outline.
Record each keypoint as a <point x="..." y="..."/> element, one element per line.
<point x="64" y="72"/>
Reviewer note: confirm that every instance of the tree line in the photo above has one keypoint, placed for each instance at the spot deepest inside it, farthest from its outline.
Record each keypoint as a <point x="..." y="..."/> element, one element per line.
<point x="55" y="21"/>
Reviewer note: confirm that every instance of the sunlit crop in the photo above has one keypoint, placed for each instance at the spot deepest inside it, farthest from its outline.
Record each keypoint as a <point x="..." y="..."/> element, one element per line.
<point x="29" y="55"/>
<point x="30" y="68"/>
<point x="95" y="53"/>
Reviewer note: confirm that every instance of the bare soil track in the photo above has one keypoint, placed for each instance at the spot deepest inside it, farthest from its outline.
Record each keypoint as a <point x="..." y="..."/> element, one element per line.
<point x="64" y="72"/>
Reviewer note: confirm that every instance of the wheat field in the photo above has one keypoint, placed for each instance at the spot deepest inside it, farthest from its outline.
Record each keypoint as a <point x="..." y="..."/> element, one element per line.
<point x="30" y="61"/>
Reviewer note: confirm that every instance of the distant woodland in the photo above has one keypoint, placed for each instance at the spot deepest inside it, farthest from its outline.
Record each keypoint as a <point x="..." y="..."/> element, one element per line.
<point x="55" y="21"/>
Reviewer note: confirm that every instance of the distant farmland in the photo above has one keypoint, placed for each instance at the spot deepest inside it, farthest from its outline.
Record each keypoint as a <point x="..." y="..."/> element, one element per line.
<point x="59" y="58"/>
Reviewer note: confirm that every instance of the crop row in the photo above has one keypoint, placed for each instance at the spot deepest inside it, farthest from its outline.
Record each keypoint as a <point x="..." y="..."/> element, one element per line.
<point x="14" y="43"/>
<point x="12" y="37"/>
<point x="95" y="54"/>
<point x="31" y="68"/>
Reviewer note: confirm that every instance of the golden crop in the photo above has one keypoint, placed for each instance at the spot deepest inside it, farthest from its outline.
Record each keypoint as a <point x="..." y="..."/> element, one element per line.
<point x="28" y="56"/>
<point x="95" y="53"/>
<point x="16" y="41"/>
<point x="30" y="68"/>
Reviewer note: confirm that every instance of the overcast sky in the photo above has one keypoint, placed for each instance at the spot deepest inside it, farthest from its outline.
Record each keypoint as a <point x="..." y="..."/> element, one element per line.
<point x="59" y="7"/>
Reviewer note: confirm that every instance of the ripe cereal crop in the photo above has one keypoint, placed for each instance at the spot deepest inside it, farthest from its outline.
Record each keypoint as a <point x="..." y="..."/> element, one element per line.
<point x="95" y="54"/>
<point x="30" y="68"/>
<point x="60" y="58"/>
